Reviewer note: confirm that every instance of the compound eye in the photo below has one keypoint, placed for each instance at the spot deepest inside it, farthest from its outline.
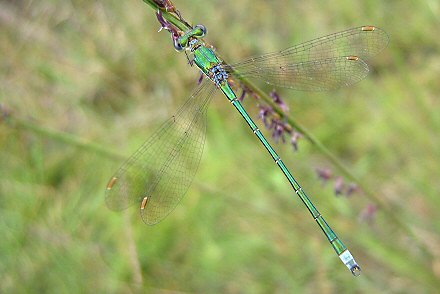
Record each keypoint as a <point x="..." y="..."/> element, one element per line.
<point x="178" y="46"/>
<point x="200" y="30"/>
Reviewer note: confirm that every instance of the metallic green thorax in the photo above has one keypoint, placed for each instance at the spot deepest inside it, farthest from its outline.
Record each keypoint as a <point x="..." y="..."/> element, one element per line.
<point x="207" y="61"/>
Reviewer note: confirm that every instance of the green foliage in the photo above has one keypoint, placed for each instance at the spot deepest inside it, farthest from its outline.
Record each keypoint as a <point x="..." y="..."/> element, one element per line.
<point x="99" y="72"/>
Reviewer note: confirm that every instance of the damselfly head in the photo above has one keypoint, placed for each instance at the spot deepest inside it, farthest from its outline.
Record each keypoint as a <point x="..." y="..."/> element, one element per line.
<point x="190" y="40"/>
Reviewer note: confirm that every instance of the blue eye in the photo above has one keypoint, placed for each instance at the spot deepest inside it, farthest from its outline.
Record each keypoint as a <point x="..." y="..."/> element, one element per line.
<point x="177" y="45"/>
<point x="200" y="30"/>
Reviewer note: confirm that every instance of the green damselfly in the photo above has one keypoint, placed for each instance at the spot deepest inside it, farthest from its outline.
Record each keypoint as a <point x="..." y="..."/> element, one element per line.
<point x="159" y="173"/>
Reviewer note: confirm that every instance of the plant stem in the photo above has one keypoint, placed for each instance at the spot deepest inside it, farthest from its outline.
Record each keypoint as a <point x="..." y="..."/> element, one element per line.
<point x="168" y="16"/>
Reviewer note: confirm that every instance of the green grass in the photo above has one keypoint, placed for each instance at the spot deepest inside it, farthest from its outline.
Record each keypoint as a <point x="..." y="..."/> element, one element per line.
<point x="87" y="82"/>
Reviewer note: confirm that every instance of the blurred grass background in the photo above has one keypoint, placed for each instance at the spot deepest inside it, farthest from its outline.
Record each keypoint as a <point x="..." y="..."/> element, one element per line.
<point x="84" y="83"/>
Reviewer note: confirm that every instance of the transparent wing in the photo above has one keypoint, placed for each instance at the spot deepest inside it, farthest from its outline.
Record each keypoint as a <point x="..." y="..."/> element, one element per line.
<point x="159" y="173"/>
<point x="325" y="63"/>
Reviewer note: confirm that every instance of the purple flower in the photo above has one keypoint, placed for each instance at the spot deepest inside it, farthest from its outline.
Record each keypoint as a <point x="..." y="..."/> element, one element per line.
<point x="169" y="7"/>
<point x="294" y="140"/>
<point x="165" y="24"/>
<point x="278" y="128"/>
<point x="352" y="188"/>
<point x="339" y="186"/>
<point x="243" y="94"/>
<point x="325" y="174"/>
<point x="277" y="99"/>
<point x="265" y="113"/>
<point x="167" y="4"/>
<point x="369" y="213"/>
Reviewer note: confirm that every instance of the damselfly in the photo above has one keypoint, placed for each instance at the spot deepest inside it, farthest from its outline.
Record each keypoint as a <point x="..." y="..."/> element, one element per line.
<point x="158" y="174"/>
